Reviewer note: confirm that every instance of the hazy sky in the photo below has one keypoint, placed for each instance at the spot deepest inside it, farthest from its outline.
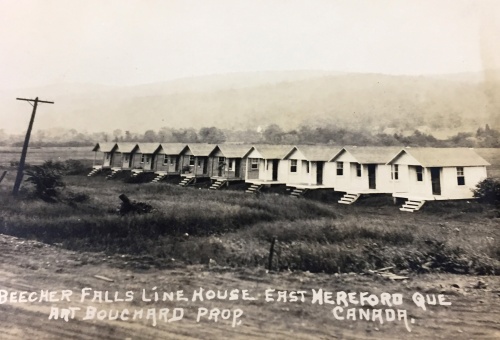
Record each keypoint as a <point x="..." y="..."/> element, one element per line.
<point x="129" y="42"/>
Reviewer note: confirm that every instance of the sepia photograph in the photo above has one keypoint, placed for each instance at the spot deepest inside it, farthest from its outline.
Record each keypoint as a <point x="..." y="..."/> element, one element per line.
<point x="237" y="169"/>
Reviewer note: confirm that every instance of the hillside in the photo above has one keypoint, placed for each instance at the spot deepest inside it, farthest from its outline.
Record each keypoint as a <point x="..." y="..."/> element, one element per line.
<point x="290" y="99"/>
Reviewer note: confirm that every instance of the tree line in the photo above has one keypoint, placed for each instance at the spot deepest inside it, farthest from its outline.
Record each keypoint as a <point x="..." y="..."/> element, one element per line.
<point x="484" y="137"/>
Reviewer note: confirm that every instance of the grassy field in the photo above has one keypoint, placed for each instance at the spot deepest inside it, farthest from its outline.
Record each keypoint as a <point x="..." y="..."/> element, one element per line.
<point x="235" y="229"/>
<point x="37" y="156"/>
<point x="195" y="225"/>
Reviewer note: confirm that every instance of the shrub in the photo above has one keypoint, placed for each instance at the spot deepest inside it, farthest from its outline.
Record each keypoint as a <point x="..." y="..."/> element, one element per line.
<point x="77" y="197"/>
<point x="488" y="191"/>
<point x="74" y="167"/>
<point x="47" y="179"/>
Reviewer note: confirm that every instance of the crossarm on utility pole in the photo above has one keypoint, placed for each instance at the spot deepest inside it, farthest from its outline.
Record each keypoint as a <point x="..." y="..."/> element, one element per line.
<point x="32" y="100"/>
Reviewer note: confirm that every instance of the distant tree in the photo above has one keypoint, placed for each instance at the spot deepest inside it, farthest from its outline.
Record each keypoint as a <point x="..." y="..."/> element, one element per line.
<point x="211" y="135"/>
<point x="72" y="133"/>
<point x="150" y="136"/>
<point x="118" y="135"/>
<point x="243" y="136"/>
<point x="185" y="136"/>
<point x="165" y="135"/>
<point x="290" y="137"/>
<point x="386" y="140"/>
<point x="272" y="134"/>
<point x="462" y="139"/>
<point x="128" y="136"/>
<point x="488" y="138"/>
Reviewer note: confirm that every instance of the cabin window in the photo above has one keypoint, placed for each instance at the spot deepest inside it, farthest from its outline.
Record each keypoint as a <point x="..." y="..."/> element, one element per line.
<point x="165" y="160"/>
<point x="191" y="160"/>
<point x="460" y="176"/>
<point x="255" y="163"/>
<point x="293" y="165"/>
<point x="171" y="160"/>
<point x="148" y="158"/>
<point x="230" y="164"/>
<point x="307" y="166"/>
<point x="395" y="172"/>
<point x="340" y="168"/>
<point x="199" y="162"/>
<point x="358" y="169"/>
<point x="420" y="176"/>
<point x="143" y="158"/>
<point x="222" y="159"/>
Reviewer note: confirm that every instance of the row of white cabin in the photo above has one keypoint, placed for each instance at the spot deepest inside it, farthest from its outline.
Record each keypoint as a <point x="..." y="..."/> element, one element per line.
<point x="411" y="173"/>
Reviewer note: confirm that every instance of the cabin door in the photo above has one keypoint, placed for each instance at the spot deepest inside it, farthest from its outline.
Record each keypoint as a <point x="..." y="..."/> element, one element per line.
<point x="153" y="162"/>
<point x="205" y="165"/>
<point x="436" y="181"/>
<point x="107" y="158"/>
<point x="222" y="160"/>
<point x="372" y="179"/>
<point x="319" y="172"/>
<point x="177" y="161"/>
<point x="147" y="162"/>
<point x="237" y="167"/>
<point x="276" y="162"/>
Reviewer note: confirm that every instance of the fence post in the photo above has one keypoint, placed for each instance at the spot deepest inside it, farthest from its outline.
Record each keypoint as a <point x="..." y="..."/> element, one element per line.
<point x="271" y="252"/>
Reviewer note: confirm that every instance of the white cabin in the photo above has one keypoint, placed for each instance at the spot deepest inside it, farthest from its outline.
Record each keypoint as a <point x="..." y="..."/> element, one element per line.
<point x="227" y="162"/>
<point x="108" y="150"/>
<point x="194" y="160"/>
<point x="363" y="170"/>
<point x="167" y="158"/>
<point x="265" y="165"/>
<point x="308" y="166"/>
<point x="127" y="151"/>
<point x="144" y="156"/>
<point x="437" y="173"/>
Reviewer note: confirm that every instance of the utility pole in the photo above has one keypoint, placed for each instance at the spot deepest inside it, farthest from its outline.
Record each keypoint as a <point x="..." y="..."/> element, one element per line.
<point x="20" y="169"/>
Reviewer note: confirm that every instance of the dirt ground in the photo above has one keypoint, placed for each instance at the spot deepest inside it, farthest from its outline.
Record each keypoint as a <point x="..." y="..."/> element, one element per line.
<point x="31" y="266"/>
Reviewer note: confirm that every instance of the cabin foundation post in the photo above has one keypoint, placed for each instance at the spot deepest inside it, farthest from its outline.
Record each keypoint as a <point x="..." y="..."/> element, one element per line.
<point x="246" y="168"/>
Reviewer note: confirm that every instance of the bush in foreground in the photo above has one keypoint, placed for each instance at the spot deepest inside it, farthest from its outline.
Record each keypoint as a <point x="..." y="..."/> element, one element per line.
<point x="488" y="191"/>
<point x="47" y="179"/>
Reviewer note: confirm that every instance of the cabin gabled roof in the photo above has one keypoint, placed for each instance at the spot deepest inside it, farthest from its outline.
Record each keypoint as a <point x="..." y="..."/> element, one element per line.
<point x="126" y="147"/>
<point x="172" y="148"/>
<point x="269" y="151"/>
<point x="148" y="148"/>
<point x="316" y="152"/>
<point x="199" y="149"/>
<point x="104" y="147"/>
<point x="233" y="150"/>
<point x="369" y="154"/>
<point x="442" y="157"/>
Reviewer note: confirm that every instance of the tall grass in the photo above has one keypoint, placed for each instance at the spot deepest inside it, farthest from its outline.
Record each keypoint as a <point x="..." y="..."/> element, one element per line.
<point x="235" y="229"/>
